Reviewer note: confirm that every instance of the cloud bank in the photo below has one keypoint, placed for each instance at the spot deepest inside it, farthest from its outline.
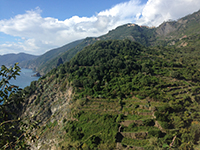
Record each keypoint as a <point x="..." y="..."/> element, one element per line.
<point x="36" y="34"/>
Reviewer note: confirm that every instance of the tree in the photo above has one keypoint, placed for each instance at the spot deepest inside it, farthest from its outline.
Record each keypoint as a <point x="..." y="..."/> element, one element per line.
<point x="11" y="135"/>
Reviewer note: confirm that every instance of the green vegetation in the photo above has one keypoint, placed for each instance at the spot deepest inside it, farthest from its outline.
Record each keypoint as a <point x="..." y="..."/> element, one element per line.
<point x="127" y="93"/>
<point x="92" y="129"/>
<point x="14" y="129"/>
<point x="11" y="134"/>
<point x="8" y="100"/>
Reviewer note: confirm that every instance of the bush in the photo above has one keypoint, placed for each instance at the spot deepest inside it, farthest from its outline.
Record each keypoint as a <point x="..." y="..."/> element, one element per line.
<point x="93" y="142"/>
<point x="149" y="122"/>
<point x="155" y="133"/>
<point x="165" y="125"/>
<point x="76" y="83"/>
<point x="37" y="100"/>
<point x="140" y="97"/>
<point x="119" y="118"/>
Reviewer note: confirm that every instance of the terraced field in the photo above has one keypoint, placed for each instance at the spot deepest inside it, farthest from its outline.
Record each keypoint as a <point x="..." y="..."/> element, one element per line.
<point x="138" y="124"/>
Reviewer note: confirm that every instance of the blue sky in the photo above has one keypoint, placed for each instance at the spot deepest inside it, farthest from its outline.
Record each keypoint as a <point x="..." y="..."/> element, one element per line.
<point x="36" y="26"/>
<point x="60" y="9"/>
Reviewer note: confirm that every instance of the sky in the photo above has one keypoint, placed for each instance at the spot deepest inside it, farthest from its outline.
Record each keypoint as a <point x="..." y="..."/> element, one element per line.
<point x="36" y="26"/>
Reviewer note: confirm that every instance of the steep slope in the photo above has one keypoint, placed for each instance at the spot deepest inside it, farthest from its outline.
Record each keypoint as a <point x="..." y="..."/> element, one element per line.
<point x="11" y="59"/>
<point x="172" y="31"/>
<point x="118" y="94"/>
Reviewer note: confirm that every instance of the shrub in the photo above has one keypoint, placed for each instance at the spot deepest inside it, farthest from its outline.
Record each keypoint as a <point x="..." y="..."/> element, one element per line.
<point x="37" y="100"/>
<point x="165" y="125"/>
<point x="119" y="118"/>
<point x="140" y="97"/>
<point x="76" y="83"/>
<point x="93" y="142"/>
<point x="155" y="133"/>
<point x="149" y="122"/>
<point x="132" y="125"/>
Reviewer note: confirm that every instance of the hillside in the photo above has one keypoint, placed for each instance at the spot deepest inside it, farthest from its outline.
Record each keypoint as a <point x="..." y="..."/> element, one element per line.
<point x="44" y="60"/>
<point x="10" y="59"/>
<point x="118" y="94"/>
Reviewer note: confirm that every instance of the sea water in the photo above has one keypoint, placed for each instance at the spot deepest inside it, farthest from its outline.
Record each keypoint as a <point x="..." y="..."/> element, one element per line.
<point x="24" y="79"/>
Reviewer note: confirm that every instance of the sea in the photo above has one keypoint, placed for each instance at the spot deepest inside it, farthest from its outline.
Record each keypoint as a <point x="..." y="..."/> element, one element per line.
<point x="24" y="79"/>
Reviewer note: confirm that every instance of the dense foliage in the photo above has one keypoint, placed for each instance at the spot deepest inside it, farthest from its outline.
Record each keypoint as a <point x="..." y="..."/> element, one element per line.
<point x="10" y="103"/>
<point x="117" y="81"/>
<point x="15" y="130"/>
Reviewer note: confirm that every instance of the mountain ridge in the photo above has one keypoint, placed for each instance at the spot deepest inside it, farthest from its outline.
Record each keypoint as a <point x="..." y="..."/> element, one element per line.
<point x="51" y="54"/>
<point x="164" y="34"/>
<point x="11" y="59"/>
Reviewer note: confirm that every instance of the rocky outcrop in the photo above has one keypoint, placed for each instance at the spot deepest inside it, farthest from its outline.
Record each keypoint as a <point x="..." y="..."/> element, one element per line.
<point x="37" y="75"/>
<point x="166" y="28"/>
<point x="49" y="106"/>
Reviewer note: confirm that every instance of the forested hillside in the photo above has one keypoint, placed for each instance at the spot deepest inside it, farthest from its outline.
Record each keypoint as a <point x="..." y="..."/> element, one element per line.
<point x="116" y="94"/>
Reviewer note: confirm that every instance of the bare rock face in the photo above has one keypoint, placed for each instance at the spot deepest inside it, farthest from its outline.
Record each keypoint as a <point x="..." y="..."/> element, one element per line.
<point x="166" y="28"/>
<point x="49" y="106"/>
<point x="182" y="21"/>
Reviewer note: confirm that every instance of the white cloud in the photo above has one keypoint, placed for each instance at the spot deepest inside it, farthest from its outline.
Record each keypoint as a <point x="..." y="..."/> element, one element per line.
<point x="38" y="34"/>
<point x="10" y="48"/>
<point x="157" y="11"/>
